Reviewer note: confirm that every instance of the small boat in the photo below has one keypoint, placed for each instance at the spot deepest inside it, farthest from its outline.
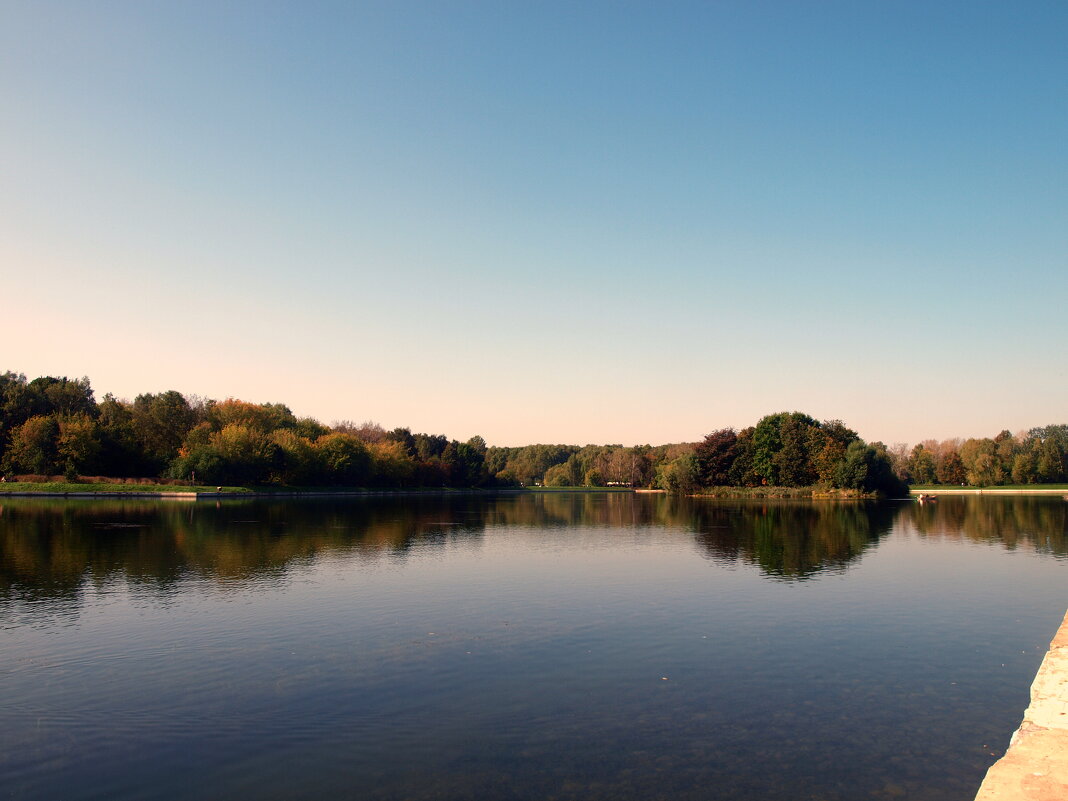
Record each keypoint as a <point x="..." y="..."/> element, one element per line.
<point x="925" y="498"/>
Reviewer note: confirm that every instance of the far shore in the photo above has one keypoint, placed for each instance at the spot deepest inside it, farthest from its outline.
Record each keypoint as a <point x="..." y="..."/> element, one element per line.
<point x="170" y="491"/>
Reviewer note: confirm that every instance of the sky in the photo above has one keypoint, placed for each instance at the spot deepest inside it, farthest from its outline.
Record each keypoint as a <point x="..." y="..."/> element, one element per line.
<point x="596" y="222"/>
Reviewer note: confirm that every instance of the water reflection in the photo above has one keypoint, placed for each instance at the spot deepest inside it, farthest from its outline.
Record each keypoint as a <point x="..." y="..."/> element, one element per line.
<point x="790" y="540"/>
<point x="571" y="646"/>
<point x="51" y="549"/>
<point x="1036" y="522"/>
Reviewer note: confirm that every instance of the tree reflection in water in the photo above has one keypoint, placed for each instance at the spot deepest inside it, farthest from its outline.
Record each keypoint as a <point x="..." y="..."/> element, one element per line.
<point x="52" y="549"/>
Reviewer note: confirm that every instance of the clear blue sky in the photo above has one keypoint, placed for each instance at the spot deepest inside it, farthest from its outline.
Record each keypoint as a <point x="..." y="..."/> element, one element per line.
<point x="545" y="222"/>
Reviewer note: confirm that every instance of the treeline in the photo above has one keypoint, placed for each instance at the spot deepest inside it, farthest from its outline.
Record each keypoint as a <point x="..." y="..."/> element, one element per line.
<point x="53" y="426"/>
<point x="1038" y="456"/>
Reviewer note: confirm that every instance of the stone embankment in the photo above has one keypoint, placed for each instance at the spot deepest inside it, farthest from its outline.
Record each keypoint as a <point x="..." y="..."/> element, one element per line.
<point x="1035" y="767"/>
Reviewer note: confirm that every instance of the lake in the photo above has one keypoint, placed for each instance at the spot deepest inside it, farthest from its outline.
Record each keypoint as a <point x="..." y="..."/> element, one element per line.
<point x="522" y="646"/>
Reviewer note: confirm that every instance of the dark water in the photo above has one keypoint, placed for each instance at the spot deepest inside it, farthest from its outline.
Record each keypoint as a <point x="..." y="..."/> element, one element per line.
<point x="520" y="647"/>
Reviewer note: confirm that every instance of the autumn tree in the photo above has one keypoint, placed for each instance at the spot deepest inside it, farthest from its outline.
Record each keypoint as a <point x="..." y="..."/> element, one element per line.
<point x="261" y="417"/>
<point x="77" y="443"/>
<point x="32" y="448"/>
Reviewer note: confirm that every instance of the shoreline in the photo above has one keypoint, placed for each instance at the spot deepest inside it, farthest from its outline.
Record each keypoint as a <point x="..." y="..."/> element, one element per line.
<point x="1035" y="766"/>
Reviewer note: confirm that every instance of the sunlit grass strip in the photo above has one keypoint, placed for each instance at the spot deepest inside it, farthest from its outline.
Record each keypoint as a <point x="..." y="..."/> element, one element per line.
<point x="958" y="487"/>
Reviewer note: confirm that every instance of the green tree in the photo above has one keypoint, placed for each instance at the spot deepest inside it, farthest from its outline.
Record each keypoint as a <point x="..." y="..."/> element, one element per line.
<point x="1050" y="462"/>
<point x="922" y="465"/>
<point x="827" y="447"/>
<point x="297" y="460"/>
<point x="767" y="442"/>
<point x="558" y="476"/>
<point x="121" y="453"/>
<point x="981" y="465"/>
<point x="742" y="472"/>
<point x="345" y="459"/>
<point x="469" y="469"/>
<point x="680" y="475"/>
<point x="867" y="468"/>
<point x="1025" y="464"/>
<point x="160" y="423"/>
<point x="781" y="450"/>
<point x="247" y="454"/>
<point x="64" y="396"/>
<point x="793" y="462"/>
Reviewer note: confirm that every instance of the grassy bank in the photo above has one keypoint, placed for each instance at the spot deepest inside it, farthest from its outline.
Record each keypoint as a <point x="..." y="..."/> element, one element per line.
<point x="806" y="493"/>
<point x="578" y="489"/>
<point x="66" y="487"/>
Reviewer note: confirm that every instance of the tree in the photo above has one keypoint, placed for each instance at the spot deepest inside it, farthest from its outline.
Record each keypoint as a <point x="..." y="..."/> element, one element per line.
<point x="64" y="396"/>
<point x="247" y="453"/>
<point x="33" y="446"/>
<point x="767" y="442"/>
<point x="1050" y="464"/>
<point x="827" y="446"/>
<point x="470" y="460"/>
<point x="921" y="465"/>
<point x="793" y="462"/>
<point x="345" y="459"/>
<point x="680" y="475"/>
<point x="261" y="417"/>
<point x="121" y="453"/>
<point x="867" y="468"/>
<point x="715" y="456"/>
<point x="160" y="423"/>
<point x="557" y="476"/>
<point x="742" y="472"/>
<point x="297" y="461"/>
<point x="310" y="429"/>
<point x="390" y="464"/>
<point x="981" y="465"/>
<point x="404" y="437"/>
<point x="77" y="443"/>
<point x="781" y="450"/>
<point x="948" y="467"/>
<point x="1025" y="464"/>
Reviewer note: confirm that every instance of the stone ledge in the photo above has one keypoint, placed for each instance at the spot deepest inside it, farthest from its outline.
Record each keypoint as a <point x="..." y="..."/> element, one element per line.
<point x="1035" y="767"/>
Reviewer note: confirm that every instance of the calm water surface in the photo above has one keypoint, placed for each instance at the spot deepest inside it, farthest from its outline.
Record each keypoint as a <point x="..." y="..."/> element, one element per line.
<point x="588" y="646"/>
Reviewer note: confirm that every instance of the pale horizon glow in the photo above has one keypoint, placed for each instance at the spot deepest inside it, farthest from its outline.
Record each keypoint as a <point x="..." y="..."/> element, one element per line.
<point x="602" y="223"/>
